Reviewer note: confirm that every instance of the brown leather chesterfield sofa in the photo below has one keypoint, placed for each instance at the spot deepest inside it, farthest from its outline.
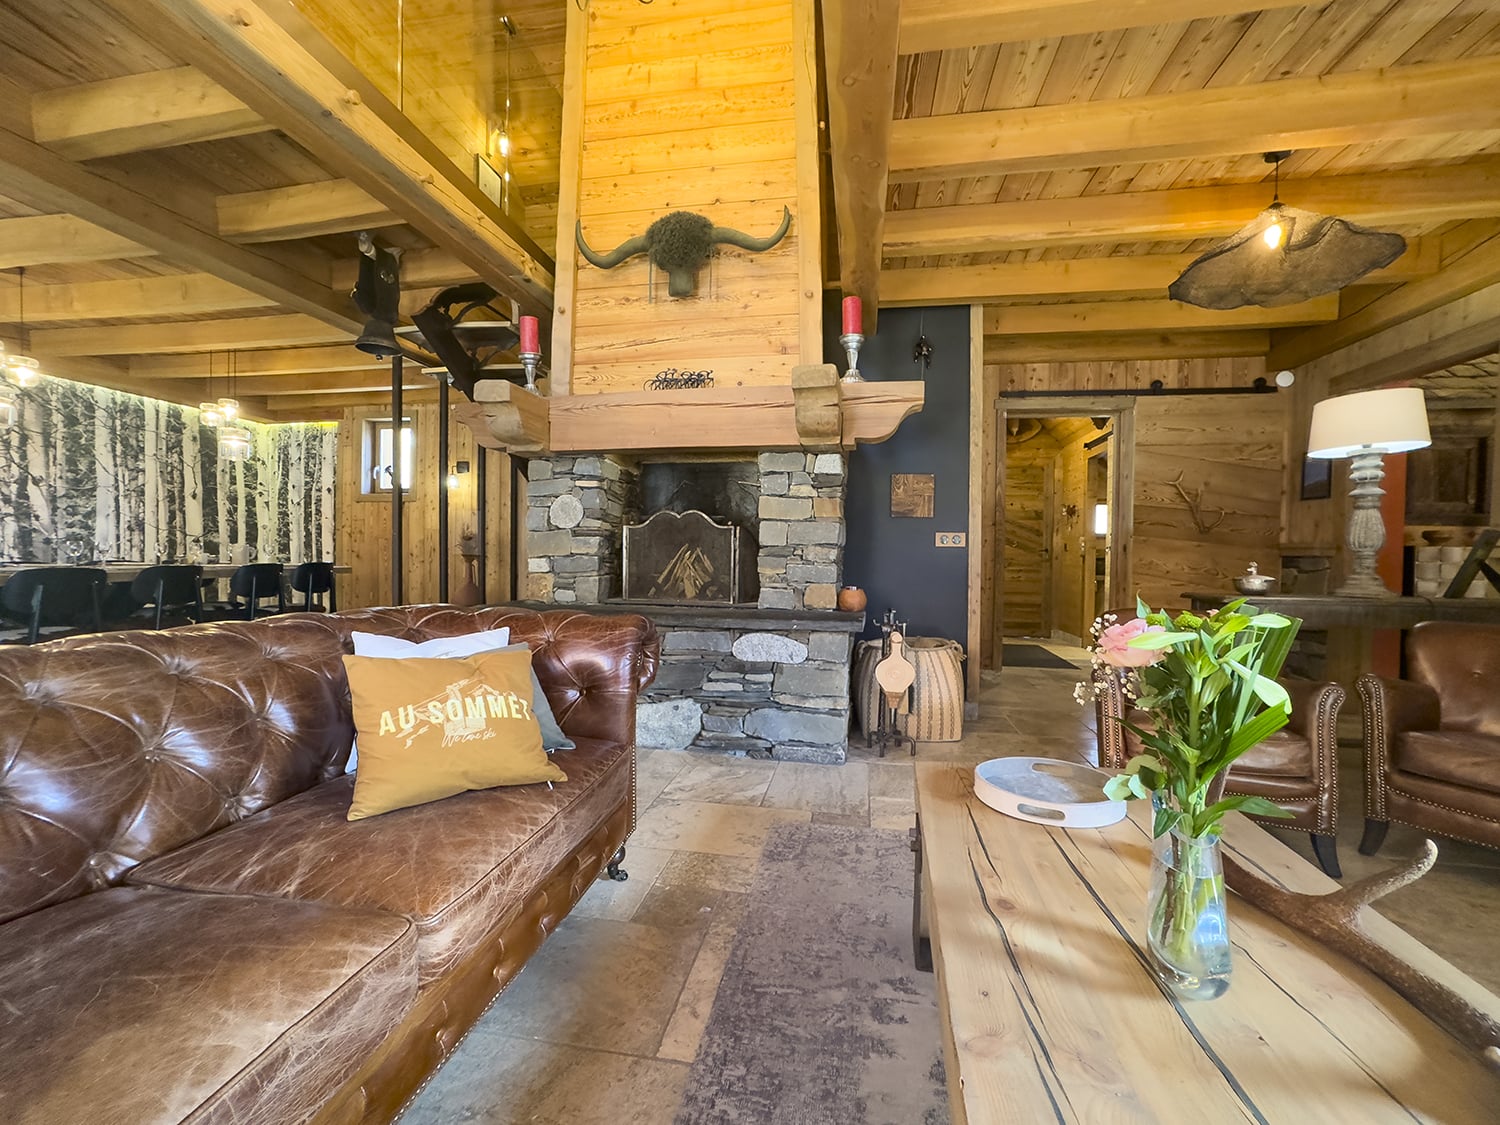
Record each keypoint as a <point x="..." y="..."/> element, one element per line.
<point x="1297" y="767"/>
<point x="190" y="929"/>
<point x="1432" y="740"/>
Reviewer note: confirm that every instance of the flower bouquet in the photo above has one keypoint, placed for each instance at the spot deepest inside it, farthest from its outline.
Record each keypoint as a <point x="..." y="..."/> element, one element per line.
<point x="1207" y="687"/>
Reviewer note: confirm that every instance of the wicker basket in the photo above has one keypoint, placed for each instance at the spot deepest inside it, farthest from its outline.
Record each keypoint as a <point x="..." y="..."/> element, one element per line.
<point x="937" y="696"/>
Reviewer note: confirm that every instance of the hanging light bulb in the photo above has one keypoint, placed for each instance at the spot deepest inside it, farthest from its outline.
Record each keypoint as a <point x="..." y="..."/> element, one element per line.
<point x="22" y="368"/>
<point x="229" y="409"/>
<point x="210" y="415"/>
<point x="234" y="443"/>
<point x="1272" y="236"/>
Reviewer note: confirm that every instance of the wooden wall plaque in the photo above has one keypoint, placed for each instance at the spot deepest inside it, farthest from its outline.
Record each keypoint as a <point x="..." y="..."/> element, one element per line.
<point x="912" y="494"/>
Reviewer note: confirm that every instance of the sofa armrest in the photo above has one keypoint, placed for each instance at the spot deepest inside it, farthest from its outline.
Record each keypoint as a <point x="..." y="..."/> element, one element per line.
<point x="1109" y="709"/>
<point x="1388" y="707"/>
<point x="1313" y="703"/>
<point x="593" y="667"/>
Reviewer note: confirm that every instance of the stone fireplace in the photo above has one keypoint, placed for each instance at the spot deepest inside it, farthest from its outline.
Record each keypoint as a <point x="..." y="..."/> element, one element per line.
<point x="762" y="678"/>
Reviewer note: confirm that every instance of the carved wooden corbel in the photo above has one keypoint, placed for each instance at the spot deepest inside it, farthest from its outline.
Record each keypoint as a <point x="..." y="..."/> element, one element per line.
<point x="819" y="413"/>
<point x="507" y="416"/>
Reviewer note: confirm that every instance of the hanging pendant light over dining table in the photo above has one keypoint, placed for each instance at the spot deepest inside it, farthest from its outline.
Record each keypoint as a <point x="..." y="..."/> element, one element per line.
<point x="1284" y="256"/>
<point x="234" y="439"/>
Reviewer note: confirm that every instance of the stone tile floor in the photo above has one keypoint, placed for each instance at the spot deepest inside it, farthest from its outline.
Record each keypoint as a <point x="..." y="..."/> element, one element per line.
<point x="602" y="1024"/>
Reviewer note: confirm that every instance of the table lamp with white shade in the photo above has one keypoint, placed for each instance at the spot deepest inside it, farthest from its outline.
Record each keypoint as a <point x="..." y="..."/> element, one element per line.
<point x="1365" y="427"/>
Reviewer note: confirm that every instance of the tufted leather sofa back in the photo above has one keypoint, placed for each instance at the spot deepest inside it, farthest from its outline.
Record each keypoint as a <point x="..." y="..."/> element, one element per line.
<point x="118" y="747"/>
<point x="1458" y="660"/>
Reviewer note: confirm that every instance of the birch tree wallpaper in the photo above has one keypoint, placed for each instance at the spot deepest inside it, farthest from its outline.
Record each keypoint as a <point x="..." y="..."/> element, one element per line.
<point x="91" y="473"/>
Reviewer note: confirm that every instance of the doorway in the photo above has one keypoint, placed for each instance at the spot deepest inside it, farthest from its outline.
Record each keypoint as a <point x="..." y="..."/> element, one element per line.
<point x="1063" y="531"/>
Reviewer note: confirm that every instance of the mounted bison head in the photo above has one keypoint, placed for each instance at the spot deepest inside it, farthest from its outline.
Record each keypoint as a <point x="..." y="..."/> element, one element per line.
<point x="681" y="243"/>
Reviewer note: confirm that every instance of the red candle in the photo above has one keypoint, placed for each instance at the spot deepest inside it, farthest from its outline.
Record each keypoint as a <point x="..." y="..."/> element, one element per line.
<point x="530" y="337"/>
<point x="854" y="317"/>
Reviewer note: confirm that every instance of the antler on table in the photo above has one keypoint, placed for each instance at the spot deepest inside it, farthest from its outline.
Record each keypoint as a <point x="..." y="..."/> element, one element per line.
<point x="1336" y="919"/>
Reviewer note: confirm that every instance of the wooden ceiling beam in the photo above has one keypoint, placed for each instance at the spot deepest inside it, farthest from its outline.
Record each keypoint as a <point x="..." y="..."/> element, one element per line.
<point x="282" y="404"/>
<point x="46" y="240"/>
<point x="333" y="382"/>
<point x="42" y="179"/>
<point x="1459" y="332"/>
<point x="1427" y="195"/>
<point x="156" y="109"/>
<point x="189" y="336"/>
<point x="300" y="211"/>
<point x="1086" y="277"/>
<point x="1295" y="113"/>
<point x="145" y="298"/>
<point x="427" y="269"/>
<point x="859" y="52"/>
<point x="1070" y="347"/>
<point x="278" y="361"/>
<point x="1477" y="270"/>
<point x="1148" y="316"/>
<point x="241" y="46"/>
<point x="941" y="25"/>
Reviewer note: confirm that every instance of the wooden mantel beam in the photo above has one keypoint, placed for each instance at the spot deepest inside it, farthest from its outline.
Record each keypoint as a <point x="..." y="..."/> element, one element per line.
<point x="155" y="109"/>
<point x="42" y="179"/>
<point x="941" y="25"/>
<point x="242" y="46"/>
<point x="859" y="49"/>
<point x="1295" y="113"/>
<point x="1426" y="195"/>
<point x="1148" y="316"/>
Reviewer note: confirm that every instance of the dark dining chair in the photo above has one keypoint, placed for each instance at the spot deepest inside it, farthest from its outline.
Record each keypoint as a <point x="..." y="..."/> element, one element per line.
<point x="170" y="587"/>
<point x="252" y="584"/>
<point x="315" y="578"/>
<point x="54" y="596"/>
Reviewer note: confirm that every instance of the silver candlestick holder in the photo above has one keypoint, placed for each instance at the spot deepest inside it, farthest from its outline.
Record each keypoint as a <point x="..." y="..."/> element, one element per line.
<point x="852" y="342"/>
<point x="530" y="361"/>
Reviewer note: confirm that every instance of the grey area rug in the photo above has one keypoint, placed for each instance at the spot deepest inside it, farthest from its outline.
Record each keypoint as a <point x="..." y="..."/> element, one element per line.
<point x="821" y="1017"/>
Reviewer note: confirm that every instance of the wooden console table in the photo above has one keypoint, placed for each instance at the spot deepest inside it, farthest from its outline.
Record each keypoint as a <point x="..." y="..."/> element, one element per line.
<point x="1051" y="1013"/>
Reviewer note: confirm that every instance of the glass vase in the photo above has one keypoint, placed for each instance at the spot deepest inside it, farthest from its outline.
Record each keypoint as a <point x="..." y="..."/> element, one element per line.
<point x="1187" y="928"/>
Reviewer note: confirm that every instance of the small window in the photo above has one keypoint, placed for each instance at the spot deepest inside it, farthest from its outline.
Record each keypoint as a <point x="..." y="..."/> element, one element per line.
<point x="379" y="454"/>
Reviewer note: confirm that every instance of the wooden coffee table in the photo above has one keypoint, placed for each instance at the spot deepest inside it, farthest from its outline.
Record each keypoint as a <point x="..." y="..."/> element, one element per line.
<point x="1051" y="1013"/>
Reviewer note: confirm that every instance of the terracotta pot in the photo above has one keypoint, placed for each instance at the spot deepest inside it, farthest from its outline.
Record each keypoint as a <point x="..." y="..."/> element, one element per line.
<point x="852" y="599"/>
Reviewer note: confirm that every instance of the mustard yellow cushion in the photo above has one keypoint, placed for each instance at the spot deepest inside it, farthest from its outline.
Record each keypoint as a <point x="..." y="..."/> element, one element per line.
<point x="431" y="728"/>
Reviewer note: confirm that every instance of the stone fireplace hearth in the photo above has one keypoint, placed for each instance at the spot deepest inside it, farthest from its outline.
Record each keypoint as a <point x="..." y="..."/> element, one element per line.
<point x="762" y="679"/>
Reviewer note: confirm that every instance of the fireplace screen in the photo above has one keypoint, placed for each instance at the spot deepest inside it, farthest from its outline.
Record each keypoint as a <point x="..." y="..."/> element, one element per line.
<point x="687" y="557"/>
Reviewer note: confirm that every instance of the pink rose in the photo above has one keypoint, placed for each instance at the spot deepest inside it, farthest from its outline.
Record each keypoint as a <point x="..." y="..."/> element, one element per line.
<point x="1114" y="645"/>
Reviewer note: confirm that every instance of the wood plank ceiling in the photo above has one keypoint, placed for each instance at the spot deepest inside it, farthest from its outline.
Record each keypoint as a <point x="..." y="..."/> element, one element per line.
<point x="183" y="180"/>
<point x="1080" y="154"/>
<point x="180" y="213"/>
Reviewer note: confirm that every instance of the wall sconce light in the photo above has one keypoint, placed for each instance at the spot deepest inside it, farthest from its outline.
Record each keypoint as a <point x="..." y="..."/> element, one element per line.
<point x="459" y="467"/>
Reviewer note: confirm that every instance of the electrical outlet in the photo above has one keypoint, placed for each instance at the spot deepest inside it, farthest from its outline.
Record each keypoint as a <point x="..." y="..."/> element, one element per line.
<point x="952" y="539"/>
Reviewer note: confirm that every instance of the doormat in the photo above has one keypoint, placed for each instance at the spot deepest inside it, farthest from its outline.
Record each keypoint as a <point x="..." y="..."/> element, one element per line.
<point x="1032" y="656"/>
<point x="821" y="1017"/>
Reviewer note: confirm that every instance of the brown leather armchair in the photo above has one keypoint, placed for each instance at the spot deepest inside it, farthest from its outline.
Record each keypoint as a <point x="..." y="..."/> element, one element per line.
<point x="1297" y="767"/>
<point x="1432" y="740"/>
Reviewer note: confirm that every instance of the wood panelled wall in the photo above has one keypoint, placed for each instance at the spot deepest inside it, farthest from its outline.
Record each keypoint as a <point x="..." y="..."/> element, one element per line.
<point x="1228" y="454"/>
<point x="364" y="520"/>
<point x="685" y="106"/>
<point x="1030" y="511"/>
<point x="1176" y="557"/>
<point x="1072" y="536"/>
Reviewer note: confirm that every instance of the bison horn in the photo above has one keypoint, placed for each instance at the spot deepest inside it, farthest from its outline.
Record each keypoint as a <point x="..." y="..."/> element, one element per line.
<point x="748" y="242"/>
<point x="627" y="249"/>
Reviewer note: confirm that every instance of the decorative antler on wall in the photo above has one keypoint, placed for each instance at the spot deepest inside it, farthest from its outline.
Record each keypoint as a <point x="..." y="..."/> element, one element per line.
<point x="681" y="244"/>
<point x="1195" y="507"/>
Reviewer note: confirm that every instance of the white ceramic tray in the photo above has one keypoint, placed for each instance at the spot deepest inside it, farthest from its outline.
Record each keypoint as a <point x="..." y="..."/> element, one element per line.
<point x="1047" y="791"/>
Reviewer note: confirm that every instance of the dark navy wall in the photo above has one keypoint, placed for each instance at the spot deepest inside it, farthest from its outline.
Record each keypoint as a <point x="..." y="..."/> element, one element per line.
<point x="895" y="560"/>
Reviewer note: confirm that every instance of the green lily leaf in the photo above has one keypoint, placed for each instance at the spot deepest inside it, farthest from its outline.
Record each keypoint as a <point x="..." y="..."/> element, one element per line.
<point x="1255" y="806"/>
<point x="1117" y="788"/>
<point x="1270" y="621"/>
<point x="1164" y="821"/>
<point x="1160" y="640"/>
